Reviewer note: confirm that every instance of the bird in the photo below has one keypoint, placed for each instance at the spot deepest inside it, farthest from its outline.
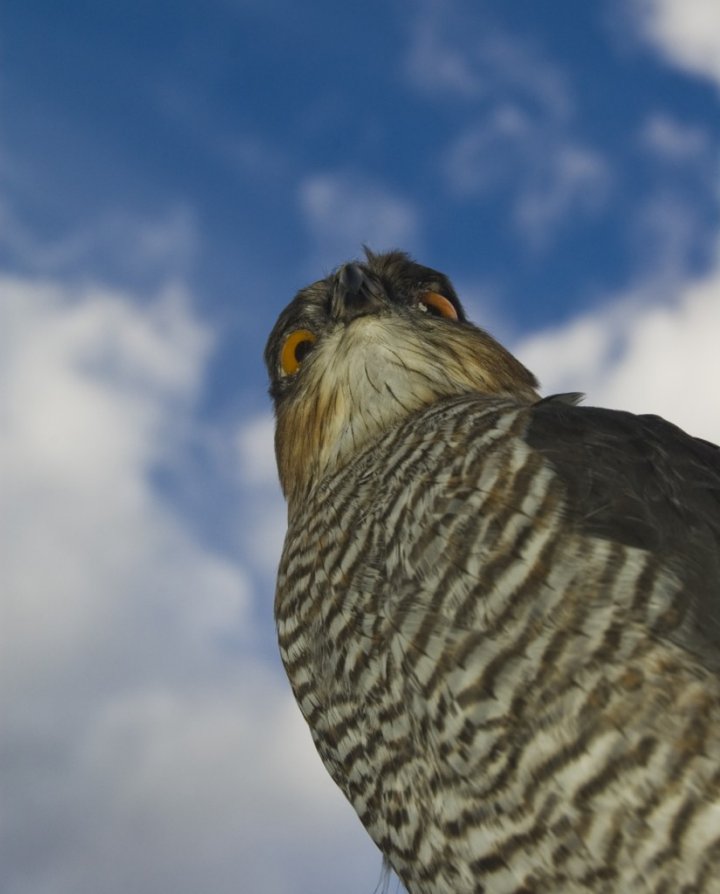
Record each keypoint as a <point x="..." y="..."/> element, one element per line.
<point x="499" y="613"/>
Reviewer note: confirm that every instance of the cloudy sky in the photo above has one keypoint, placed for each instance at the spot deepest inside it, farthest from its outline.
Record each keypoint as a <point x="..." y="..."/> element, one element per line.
<point x="170" y="174"/>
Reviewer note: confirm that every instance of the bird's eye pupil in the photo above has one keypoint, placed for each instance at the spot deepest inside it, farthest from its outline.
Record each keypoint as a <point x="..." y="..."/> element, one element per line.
<point x="302" y="349"/>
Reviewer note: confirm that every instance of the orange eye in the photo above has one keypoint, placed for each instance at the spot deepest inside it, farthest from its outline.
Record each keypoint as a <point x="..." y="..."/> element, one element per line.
<point x="297" y="346"/>
<point x="439" y="305"/>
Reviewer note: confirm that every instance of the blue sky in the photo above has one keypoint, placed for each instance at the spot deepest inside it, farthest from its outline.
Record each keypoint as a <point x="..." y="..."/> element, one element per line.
<point x="170" y="175"/>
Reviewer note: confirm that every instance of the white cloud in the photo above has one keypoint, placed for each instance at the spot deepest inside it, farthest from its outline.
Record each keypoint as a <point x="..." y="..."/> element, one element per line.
<point x="145" y="748"/>
<point x="686" y="32"/>
<point x="344" y="212"/>
<point x="641" y="354"/>
<point x="94" y="394"/>
<point x="256" y="448"/>
<point x="264" y="504"/>
<point x="196" y="788"/>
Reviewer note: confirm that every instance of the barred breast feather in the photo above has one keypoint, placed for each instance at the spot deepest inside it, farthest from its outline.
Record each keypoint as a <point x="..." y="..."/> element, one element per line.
<point x="502" y="624"/>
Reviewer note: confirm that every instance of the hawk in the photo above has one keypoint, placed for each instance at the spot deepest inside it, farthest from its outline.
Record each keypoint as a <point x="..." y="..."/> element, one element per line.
<point x="499" y="614"/>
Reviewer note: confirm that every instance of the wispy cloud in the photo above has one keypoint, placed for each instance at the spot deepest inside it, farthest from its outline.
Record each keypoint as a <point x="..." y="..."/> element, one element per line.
<point x="669" y="237"/>
<point x="126" y="243"/>
<point x="518" y="109"/>
<point x="674" y="142"/>
<point x="456" y="50"/>
<point x="549" y="177"/>
<point x="343" y="212"/>
<point x="256" y="157"/>
<point x="672" y="229"/>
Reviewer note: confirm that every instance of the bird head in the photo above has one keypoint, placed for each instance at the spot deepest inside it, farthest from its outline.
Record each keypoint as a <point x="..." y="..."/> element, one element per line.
<point x="354" y="354"/>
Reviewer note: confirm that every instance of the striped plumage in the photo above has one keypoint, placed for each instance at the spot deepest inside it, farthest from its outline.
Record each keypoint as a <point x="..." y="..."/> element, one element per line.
<point x="500" y="616"/>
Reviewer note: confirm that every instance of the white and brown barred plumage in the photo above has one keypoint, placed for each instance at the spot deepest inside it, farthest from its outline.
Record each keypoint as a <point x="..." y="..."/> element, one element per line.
<point x="500" y="615"/>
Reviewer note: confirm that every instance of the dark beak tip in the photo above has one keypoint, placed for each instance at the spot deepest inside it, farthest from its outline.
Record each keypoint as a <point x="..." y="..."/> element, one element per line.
<point x="355" y="293"/>
<point x="351" y="278"/>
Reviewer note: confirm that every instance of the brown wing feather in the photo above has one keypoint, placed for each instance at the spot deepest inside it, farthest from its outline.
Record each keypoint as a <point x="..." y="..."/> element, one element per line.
<point x="643" y="482"/>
